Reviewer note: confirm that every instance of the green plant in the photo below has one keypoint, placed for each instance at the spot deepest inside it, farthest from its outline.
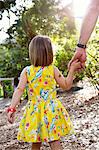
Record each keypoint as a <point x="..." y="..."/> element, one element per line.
<point x="64" y="55"/>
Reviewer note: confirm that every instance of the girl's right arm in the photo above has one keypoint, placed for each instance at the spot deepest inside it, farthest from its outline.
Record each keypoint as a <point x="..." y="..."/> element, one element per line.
<point x="20" y="89"/>
<point x="17" y="95"/>
<point x="66" y="83"/>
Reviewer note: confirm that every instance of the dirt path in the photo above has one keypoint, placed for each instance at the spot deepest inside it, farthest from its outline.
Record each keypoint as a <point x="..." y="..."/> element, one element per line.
<point x="83" y="107"/>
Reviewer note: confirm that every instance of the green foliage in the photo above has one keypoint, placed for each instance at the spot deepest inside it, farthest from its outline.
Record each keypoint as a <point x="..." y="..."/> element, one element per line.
<point x="1" y="91"/>
<point x="44" y="17"/>
<point x="6" y="5"/>
<point x="41" y="18"/>
<point x="65" y="53"/>
<point x="12" y="60"/>
<point x="8" y="88"/>
<point x="62" y="58"/>
<point x="9" y="6"/>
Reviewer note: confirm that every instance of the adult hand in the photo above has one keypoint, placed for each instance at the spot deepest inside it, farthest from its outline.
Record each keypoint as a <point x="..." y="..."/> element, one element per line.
<point x="75" y="65"/>
<point x="80" y="54"/>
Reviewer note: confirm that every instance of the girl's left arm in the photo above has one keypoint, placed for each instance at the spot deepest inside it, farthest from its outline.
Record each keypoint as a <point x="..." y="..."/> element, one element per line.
<point x="20" y="89"/>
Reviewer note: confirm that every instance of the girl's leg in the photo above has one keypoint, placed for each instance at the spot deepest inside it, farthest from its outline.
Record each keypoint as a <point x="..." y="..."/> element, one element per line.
<point x="36" y="146"/>
<point x="55" y="145"/>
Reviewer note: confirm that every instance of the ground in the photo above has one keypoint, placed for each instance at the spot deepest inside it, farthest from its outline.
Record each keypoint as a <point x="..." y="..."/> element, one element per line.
<point x="83" y="107"/>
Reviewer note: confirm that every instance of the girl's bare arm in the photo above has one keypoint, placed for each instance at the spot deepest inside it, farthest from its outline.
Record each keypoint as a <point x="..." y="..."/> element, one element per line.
<point x="66" y="83"/>
<point x="20" y="89"/>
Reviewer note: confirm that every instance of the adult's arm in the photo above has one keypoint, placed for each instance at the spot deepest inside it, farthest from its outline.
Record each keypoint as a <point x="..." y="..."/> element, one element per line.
<point x="89" y="21"/>
<point x="87" y="27"/>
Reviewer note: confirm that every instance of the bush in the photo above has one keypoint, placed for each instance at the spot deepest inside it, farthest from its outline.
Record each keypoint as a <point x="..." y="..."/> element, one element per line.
<point x="7" y="89"/>
<point x="64" y="54"/>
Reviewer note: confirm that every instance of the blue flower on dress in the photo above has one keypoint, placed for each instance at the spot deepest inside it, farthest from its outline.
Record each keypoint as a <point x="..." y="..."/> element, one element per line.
<point x="39" y="128"/>
<point x="35" y="108"/>
<point x="53" y="106"/>
<point x="46" y="120"/>
<point x="32" y="113"/>
<point x="44" y="94"/>
<point x="52" y="124"/>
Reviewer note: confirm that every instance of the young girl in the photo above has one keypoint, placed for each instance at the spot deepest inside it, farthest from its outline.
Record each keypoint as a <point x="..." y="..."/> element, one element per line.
<point x="45" y="119"/>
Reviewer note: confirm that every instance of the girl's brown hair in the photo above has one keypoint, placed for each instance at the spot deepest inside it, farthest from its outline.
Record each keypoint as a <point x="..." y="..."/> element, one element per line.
<point x="40" y="51"/>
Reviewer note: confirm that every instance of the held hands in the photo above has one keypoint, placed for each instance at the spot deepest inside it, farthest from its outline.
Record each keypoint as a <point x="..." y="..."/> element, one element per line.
<point x="80" y="54"/>
<point x="75" y="65"/>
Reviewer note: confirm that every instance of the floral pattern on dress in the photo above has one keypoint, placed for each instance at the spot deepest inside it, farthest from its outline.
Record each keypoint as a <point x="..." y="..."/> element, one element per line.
<point x="45" y="119"/>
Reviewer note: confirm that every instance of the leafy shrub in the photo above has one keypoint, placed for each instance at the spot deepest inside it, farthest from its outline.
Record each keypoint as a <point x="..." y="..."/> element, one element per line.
<point x="8" y="89"/>
<point x="64" y="54"/>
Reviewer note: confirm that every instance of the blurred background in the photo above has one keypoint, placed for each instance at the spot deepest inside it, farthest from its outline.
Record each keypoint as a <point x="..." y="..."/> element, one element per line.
<point x="21" y="20"/>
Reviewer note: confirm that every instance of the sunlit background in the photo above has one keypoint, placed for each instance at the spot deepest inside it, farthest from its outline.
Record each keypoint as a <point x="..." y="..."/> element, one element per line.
<point x="79" y="9"/>
<point x="79" y="6"/>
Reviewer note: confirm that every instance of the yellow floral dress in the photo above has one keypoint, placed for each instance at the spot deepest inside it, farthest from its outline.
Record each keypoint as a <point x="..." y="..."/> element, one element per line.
<point x="45" y="118"/>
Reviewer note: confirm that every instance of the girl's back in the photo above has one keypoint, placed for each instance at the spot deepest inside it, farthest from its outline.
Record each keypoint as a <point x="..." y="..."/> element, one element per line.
<point x="41" y="82"/>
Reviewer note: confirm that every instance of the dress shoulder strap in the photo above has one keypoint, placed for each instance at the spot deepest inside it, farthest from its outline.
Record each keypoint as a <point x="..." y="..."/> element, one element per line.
<point x="29" y="71"/>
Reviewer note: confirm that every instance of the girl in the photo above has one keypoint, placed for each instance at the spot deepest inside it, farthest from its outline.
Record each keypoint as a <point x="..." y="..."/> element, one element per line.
<point x="45" y="119"/>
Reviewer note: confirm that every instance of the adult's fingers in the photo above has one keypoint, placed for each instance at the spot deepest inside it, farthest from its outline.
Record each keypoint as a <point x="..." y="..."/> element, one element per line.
<point x="77" y="55"/>
<point x="70" y="62"/>
<point x="83" y="65"/>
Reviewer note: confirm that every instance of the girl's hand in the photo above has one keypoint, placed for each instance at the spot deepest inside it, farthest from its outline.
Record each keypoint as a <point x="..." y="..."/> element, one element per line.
<point x="76" y="65"/>
<point x="11" y="116"/>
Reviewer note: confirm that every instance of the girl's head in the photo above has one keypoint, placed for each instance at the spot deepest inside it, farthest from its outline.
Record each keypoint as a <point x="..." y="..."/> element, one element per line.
<point x="40" y="51"/>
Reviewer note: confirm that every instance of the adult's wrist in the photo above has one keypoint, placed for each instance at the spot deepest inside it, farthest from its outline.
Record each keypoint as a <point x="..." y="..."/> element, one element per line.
<point x="82" y="46"/>
<point x="80" y="49"/>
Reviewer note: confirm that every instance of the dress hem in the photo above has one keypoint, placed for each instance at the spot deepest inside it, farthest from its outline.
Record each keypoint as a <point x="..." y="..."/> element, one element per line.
<point x="68" y="134"/>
